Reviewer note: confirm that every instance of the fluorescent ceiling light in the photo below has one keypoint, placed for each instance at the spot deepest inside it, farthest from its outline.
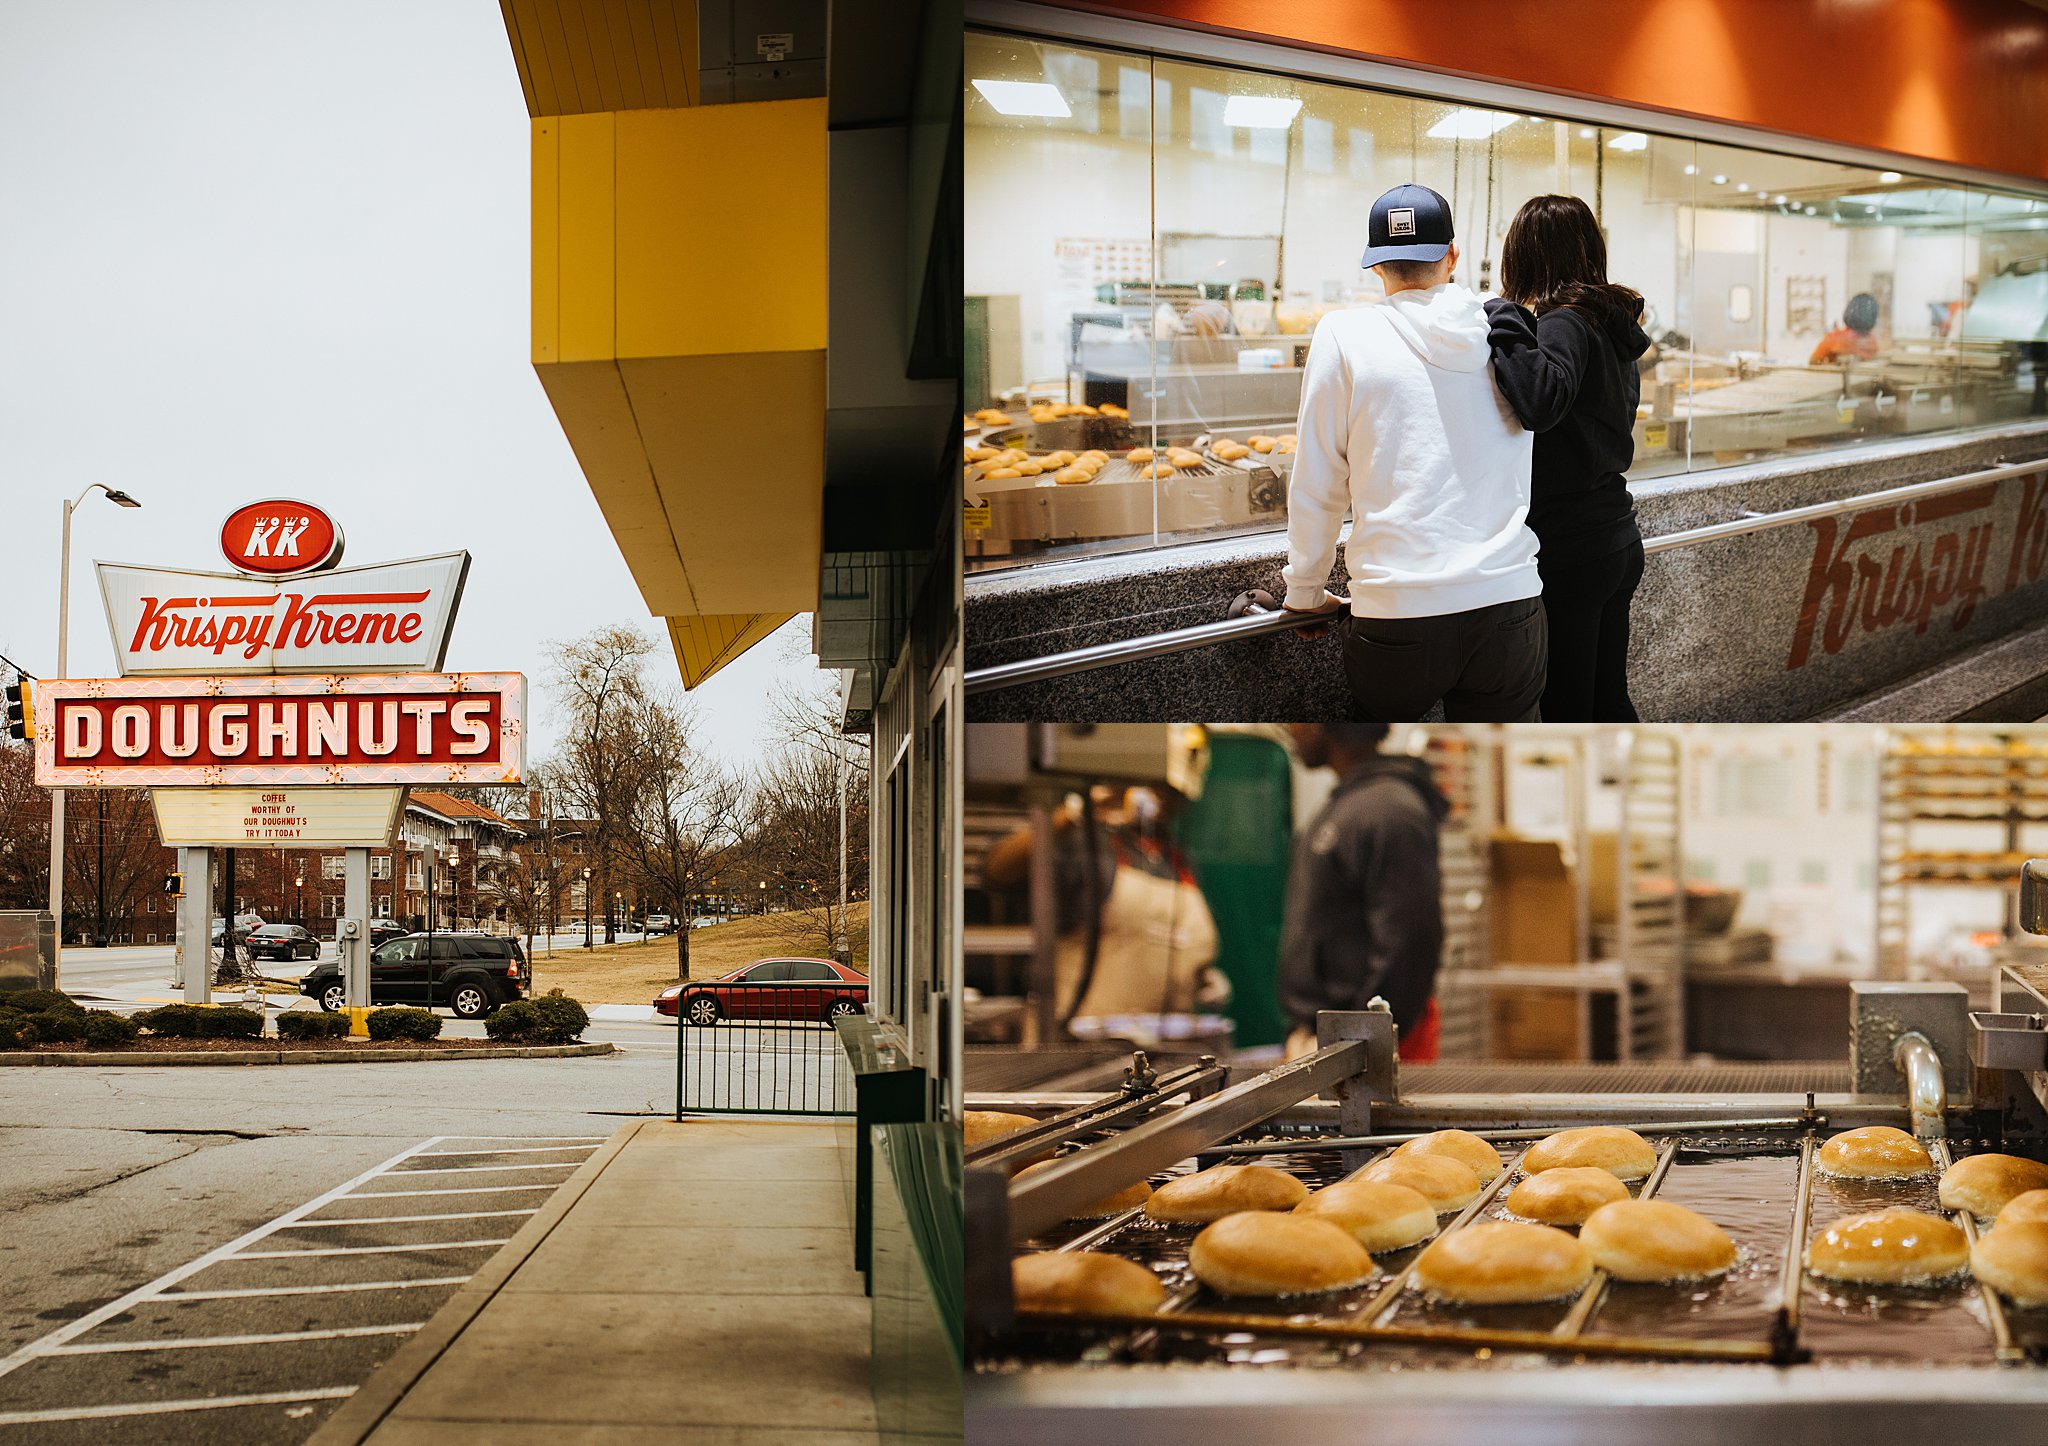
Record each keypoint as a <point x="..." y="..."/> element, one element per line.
<point x="1720" y="180"/>
<point x="1468" y="124"/>
<point x="1777" y="200"/>
<point x="1629" y="141"/>
<point x="1742" y="186"/>
<point x="1261" y="112"/>
<point x="1024" y="97"/>
<point x="1889" y="177"/>
<point x="1585" y="133"/>
<point x="1692" y="170"/>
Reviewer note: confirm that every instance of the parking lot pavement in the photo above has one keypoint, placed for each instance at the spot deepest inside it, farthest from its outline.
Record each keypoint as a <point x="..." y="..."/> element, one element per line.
<point x="258" y="1339"/>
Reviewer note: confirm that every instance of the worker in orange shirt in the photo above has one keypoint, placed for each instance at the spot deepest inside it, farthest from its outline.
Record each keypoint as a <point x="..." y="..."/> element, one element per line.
<point x="1852" y="338"/>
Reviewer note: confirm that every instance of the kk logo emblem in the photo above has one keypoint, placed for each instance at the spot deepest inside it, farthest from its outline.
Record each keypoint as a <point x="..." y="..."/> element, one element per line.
<point x="1401" y="221"/>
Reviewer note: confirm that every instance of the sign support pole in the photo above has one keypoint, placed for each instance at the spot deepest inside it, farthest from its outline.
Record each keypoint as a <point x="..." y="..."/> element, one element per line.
<point x="195" y="925"/>
<point x="353" y="939"/>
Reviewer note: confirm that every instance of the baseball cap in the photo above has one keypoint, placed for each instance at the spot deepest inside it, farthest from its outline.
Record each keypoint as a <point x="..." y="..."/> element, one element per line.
<point x="1409" y="223"/>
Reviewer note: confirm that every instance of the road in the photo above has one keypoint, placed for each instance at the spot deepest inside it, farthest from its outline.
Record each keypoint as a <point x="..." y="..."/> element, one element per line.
<point x="117" y="1177"/>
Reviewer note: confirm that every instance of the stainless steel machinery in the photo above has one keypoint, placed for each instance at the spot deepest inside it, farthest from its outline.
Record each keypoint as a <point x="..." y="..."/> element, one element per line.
<point x="1764" y="1351"/>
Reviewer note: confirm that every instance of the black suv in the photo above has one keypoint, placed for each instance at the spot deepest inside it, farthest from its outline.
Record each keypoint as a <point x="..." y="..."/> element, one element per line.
<point x="471" y="974"/>
<point x="280" y="941"/>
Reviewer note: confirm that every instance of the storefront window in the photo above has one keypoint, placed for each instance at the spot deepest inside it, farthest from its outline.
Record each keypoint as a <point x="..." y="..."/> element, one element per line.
<point x="1150" y="243"/>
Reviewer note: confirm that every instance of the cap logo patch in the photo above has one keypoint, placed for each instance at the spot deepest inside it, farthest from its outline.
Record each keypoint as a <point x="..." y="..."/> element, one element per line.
<point x="1401" y="221"/>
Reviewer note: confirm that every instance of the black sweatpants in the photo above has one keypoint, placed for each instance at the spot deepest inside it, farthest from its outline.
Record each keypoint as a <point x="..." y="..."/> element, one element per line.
<point x="1484" y="666"/>
<point x="1587" y="604"/>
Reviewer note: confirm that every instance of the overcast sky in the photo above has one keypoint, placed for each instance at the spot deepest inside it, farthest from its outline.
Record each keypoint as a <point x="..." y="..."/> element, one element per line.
<point x="253" y="249"/>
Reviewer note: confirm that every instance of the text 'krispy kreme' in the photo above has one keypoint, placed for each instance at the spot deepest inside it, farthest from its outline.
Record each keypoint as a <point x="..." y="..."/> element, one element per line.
<point x="399" y="728"/>
<point x="290" y="622"/>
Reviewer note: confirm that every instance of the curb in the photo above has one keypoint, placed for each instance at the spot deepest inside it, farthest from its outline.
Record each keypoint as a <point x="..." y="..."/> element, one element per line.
<point x="363" y="1412"/>
<point x="29" y="1058"/>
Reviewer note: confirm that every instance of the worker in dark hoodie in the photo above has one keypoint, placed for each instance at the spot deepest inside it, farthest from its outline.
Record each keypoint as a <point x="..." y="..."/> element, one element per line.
<point x="1364" y="912"/>
<point x="1565" y="342"/>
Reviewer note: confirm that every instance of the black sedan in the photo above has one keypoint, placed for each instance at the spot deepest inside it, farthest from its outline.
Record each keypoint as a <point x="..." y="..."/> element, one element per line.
<point x="281" y="941"/>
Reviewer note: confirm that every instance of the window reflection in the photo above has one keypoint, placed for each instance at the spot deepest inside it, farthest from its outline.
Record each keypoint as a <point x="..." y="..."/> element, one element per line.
<point x="1150" y="244"/>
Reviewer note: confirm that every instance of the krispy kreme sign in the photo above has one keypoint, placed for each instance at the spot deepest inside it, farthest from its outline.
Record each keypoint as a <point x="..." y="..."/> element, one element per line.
<point x="396" y="728"/>
<point x="280" y="537"/>
<point x="393" y="615"/>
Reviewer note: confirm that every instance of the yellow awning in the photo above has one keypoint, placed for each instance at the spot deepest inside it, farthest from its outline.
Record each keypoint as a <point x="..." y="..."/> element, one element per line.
<point x="704" y="645"/>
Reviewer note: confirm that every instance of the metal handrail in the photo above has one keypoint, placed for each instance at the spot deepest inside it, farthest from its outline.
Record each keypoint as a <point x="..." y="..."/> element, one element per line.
<point x="1259" y="622"/>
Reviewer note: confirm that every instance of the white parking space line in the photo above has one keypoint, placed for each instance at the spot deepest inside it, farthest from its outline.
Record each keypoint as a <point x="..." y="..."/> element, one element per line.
<point x="210" y="1342"/>
<point x="405" y="1219"/>
<point x="367" y="1250"/>
<point x="571" y="1139"/>
<point x="485" y="1169"/>
<point x="465" y="1190"/>
<point x="248" y="1292"/>
<point x="65" y="1333"/>
<point x="521" y="1150"/>
<point x="158" y="1408"/>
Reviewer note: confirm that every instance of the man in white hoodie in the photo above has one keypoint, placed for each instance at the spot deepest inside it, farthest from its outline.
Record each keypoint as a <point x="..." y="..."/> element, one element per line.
<point x="1401" y="424"/>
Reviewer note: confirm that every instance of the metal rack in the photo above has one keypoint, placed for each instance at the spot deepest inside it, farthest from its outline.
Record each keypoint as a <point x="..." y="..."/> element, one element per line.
<point x="1459" y="766"/>
<point x="1949" y="775"/>
<point x="1651" y="907"/>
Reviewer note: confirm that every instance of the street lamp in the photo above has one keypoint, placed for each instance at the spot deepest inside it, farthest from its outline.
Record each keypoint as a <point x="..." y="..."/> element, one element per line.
<point x="119" y="499"/>
<point x="302" y="898"/>
<point x="616" y="919"/>
<point x="763" y="910"/>
<point x="586" y="908"/>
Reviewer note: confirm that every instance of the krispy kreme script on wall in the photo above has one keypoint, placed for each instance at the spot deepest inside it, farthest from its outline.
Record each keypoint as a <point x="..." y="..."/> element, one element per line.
<point x="1917" y="565"/>
<point x="393" y="615"/>
<point x="406" y="728"/>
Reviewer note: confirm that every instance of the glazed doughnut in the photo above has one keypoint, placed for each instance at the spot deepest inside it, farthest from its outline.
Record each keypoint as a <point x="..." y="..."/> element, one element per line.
<point x="1875" y="1152"/>
<point x="1654" y="1240"/>
<point x="1158" y="469"/>
<point x="1138" y="456"/>
<point x="1622" y="1153"/>
<point x="1259" y="444"/>
<point x="1983" y="1184"/>
<point x="1501" y="1262"/>
<point x="1888" y="1247"/>
<point x="1256" y="1252"/>
<point x="1068" y="476"/>
<point x="1460" y="1145"/>
<point x="2013" y="1260"/>
<point x="1567" y="1196"/>
<point x="1084" y="1282"/>
<point x="1224" y="1190"/>
<point x="1378" y="1214"/>
<point x="2025" y="1209"/>
<point x="981" y="1126"/>
<point x="1447" y="1184"/>
<point x="991" y="473"/>
<point x="1127" y="1199"/>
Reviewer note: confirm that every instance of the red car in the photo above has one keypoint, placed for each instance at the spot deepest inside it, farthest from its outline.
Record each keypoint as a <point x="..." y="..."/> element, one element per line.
<point x="791" y="989"/>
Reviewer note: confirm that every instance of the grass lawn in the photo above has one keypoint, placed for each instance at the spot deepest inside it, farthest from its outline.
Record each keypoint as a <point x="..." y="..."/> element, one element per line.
<point x="635" y="973"/>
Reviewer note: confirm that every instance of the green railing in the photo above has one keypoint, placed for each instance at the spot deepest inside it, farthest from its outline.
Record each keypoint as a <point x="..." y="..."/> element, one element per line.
<point x="762" y="1049"/>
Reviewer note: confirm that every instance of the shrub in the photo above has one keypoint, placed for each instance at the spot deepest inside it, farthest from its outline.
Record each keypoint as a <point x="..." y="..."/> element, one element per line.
<point x="402" y="1023"/>
<point x="40" y="1001"/>
<point x="511" y="1022"/>
<point x="306" y="1024"/>
<point x="550" y="1019"/>
<point x="59" y="1026"/>
<point x="103" y="1029"/>
<point x="15" y="1030"/>
<point x="192" y="1021"/>
<point x="172" y="1021"/>
<point x="231" y="1022"/>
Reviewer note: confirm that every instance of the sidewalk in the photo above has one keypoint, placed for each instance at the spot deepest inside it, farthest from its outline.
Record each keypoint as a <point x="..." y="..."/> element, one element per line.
<point x="690" y="1283"/>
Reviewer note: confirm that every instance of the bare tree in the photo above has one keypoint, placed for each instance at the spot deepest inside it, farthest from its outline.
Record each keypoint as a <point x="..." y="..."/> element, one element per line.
<point x="688" y="813"/>
<point x="24" y="831"/>
<point x="598" y="680"/>
<point x="811" y="809"/>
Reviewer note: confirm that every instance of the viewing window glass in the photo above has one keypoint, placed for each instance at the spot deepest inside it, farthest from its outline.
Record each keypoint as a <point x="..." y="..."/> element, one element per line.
<point x="1150" y="243"/>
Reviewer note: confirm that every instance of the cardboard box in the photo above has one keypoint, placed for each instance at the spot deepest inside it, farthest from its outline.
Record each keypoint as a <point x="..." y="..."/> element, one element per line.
<point x="1533" y="909"/>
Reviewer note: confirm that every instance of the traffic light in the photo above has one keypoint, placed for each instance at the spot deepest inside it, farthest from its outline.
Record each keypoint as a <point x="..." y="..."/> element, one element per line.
<point x="174" y="885"/>
<point x="21" y="712"/>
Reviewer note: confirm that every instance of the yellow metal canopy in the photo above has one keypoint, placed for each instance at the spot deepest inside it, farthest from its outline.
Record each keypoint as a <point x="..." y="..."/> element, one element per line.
<point x="704" y="645"/>
<point x="679" y="318"/>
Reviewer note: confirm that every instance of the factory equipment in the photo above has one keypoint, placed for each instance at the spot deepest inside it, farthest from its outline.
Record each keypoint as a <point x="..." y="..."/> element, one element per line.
<point x="1765" y="1349"/>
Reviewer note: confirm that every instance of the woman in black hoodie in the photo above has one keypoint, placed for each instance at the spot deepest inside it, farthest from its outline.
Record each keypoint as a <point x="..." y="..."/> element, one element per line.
<point x="1565" y="342"/>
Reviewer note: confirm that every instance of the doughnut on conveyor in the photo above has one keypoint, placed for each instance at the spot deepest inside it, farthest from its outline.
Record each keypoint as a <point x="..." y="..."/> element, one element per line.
<point x="1766" y="1351"/>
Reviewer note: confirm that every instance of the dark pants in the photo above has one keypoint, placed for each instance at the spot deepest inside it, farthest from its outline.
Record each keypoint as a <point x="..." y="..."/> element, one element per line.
<point x="1586" y="604"/>
<point x="1484" y="666"/>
